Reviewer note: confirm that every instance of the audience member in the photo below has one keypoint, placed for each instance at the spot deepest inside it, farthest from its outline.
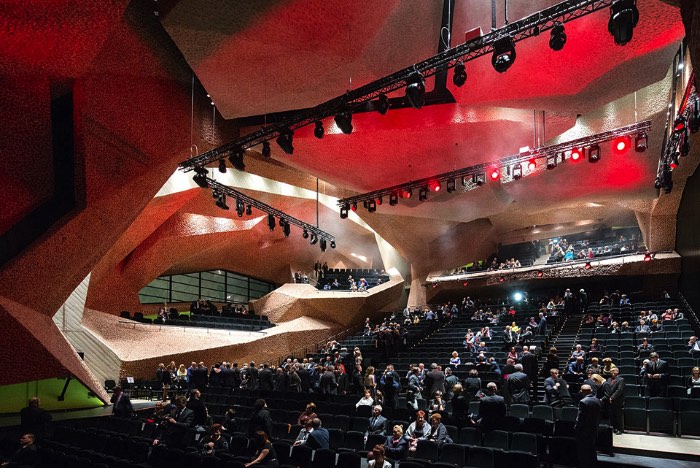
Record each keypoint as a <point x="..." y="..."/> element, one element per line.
<point x="34" y="419"/>
<point x="396" y="446"/>
<point x="265" y="454"/>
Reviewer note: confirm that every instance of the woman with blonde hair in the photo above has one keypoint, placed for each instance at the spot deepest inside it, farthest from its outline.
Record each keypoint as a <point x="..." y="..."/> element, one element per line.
<point x="608" y="366"/>
<point x="396" y="446"/>
<point x="370" y="381"/>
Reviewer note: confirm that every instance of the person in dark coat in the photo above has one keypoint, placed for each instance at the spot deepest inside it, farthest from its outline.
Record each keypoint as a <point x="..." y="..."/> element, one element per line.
<point x="27" y="454"/>
<point x="196" y="404"/>
<point x="228" y="376"/>
<point x="586" y="428"/>
<point x="492" y="409"/>
<point x="378" y="424"/>
<point x="529" y="362"/>
<point x="200" y="378"/>
<point x="122" y="404"/>
<point x="518" y="386"/>
<point x="174" y="428"/>
<point x="328" y="383"/>
<point x="614" y="390"/>
<point x="305" y="378"/>
<point x="556" y="390"/>
<point x="656" y="374"/>
<point x="252" y="374"/>
<point x="437" y="380"/>
<point x="267" y="383"/>
<point x="261" y="419"/>
<point x="319" y="437"/>
<point x="34" y="419"/>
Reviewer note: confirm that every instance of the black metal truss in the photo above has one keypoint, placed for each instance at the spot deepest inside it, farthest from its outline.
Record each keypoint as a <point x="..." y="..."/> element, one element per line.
<point x="532" y="25"/>
<point x="558" y="150"/>
<point x="674" y="140"/>
<point x="235" y="195"/>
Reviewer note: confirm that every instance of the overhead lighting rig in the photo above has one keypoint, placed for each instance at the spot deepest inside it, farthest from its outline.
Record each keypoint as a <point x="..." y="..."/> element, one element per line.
<point x="372" y="96"/>
<point x="244" y="202"/>
<point x="475" y="176"/>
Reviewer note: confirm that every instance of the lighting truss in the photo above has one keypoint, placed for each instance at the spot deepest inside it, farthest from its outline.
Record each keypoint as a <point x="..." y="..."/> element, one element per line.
<point x="532" y="25"/>
<point x="265" y="208"/>
<point x="467" y="173"/>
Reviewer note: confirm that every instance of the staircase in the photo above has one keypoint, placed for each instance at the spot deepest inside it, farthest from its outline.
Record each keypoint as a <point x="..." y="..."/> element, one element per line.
<point x="564" y="340"/>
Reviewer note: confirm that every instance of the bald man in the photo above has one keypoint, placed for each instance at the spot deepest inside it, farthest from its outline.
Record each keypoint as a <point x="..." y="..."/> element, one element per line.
<point x="586" y="427"/>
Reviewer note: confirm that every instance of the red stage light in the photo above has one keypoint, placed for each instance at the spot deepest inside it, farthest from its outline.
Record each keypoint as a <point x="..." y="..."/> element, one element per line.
<point x="576" y="154"/>
<point x="588" y="266"/>
<point x="495" y="173"/>
<point x="434" y="285"/>
<point x="540" y="273"/>
<point x="434" y="186"/>
<point x="532" y="165"/>
<point x="466" y="283"/>
<point x="406" y="193"/>
<point x="621" y="144"/>
<point x="501" y="279"/>
<point x="379" y="201"/>
<point x="647" y="257"/>
<point x="354" y="207"/>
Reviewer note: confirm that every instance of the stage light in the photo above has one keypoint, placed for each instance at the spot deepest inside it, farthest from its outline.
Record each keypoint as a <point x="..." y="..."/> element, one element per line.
<point x="679" y="124"/>
<point x="382" y="104"/>
<point x="465" y="284"/>
<point x="353" y="207"/>
<point x="532" y="165"/>
<point x="314" y="238"/>
<point x="540" y="273"/>
<point x="266" y="151"/>
<point x="518" y="296"/>
<point x="460" y="75"/>
<point x="551" y="162"/>
<point x="422" y="193"/>
<point x="393" y="199"/>
<point x="240" y="207"/>
<point x="479" y="179"/>
<point x="587" y="266"/>
<point x="623" y="18"/>
<point x="371" y="206"/>
<point x="333" y="244"/>
<point x="621" y="144"/>
<point x="434" y="186"/>
<point x="406" y="193"/>
<point x="285" y="141"/>
<point x="415" y="90"/>
<point x="576" y="154"/>
<point x="249" y="210"/>
<point x="318" y="130"/>
<point x="305" y="234"/>
<point x="434" y="285"/>
<point x="221" y="202"/>
<point x="558" y="37"/>
<point x="200" y="177"/>
<point x="647" y="257"/>
<point x="344" y="122"/>
<point x="222" y="166"/>
<point x="286" y="228"/>
<point x="503" y="54"/>
<point x="344" y="211"/>
<point x="594" y="154"/>
<point x="271" y="221"/>
<point x="451" y="185"/>
<point x="495" y="173"/>
<point x="322" y="244"/>
<point x="641" y="142"/>
<point x="675" y="160"/>
<point x="501" y="279"/>
<point x="517" y="172"/>
<point x="236" y="160"/>
<point x="379" y="200"/>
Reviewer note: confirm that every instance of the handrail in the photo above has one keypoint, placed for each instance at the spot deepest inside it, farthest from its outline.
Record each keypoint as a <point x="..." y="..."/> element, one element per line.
<point x="690" y="313"/>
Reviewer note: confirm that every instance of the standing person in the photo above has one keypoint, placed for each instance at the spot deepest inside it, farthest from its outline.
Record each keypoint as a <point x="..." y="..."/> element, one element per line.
<point x="261" y="419"/>
<point x="529" y="362"/>
<point x="518" y="386"/>
<point x="122" y="404"/>
<point x="266" y="381"/>
<point x="175" y="427"/>
<point x="556" y="390"/>
<point x="542" y="325"/>
<point x="252" y="377"/>
<point x="656" y="374"/>
<point x="614" y="390"/>
<point x="492" y="409"/>
<point x="34" y="419"/>
<point x="586" y="428"/>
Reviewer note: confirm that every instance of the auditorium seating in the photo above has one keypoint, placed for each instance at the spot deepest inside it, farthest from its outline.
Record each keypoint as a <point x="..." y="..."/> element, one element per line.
<point x="373" y="277"/>
<point x="238" y="322"/>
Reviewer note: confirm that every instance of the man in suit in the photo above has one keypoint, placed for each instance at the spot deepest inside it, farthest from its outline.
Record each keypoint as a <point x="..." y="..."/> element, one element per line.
<point x="305" y="378"/>
<point x="542" y="325"/>
<point x="509" y="338"/>
<point x="266" y="381"/>
<point x="253" y="381"/>
<point x="26" y="455"/>
<point x="656" y="374"/>
<point x="198" y="408"/>
<point x="34" y="419"/>
<point x="529" y="362"/>
<point x="577" y="368"/>
<point x="614" y="389"/>
<point x="586" y="427"/>
<point x="228" y="378"/>
<point x="518" y="386"/>
<point x="318" y="438"/>
<point x="556" y="390"/>
<point x="122" y="407"/>
<point x="174" y="427"/>
<point x="378" y="424"/>
<point x="492" y="409"/>
<point x="328" y="383"/>
<point x="200" y="378"/>
<point x="437" y="379"/>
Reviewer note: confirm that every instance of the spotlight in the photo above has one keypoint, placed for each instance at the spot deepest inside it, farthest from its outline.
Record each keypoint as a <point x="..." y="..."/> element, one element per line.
<point x="648" y="257"/>
<point x="333" y="244"/>
<point x="285" y="141"/>
<point x="305" y="234"/>
<point x="406" y="193"/>
<point x="434" y="285"/>
<point x="621" y="144"/>
<point x="249" y="210"/>
<point x="694" y="122"/>
<point x="240" y="207"/>
<point x="222" y="166"/>
<point x="423" y="193"/>
<point x="200" y="177"/>
<point x="576" y="154"/>
<point x="540" y="273"/>
<point x="623" y="18"/>
<point x="286" y="228"/>
<point x="503" y="54"/>
<point x="344" y="122"/>
<point x="451" y="185"/>
<point x="517" y="172"/>
<point x="460" y="75"/>
<point x="679" y="124"/>
<point x="382" y="104"/>
<point x="236" y="160"/>
<point x="344" y="211"/>
<point x="551" y="162"/>
<point x="314" y="239"/>
<point x="502" y="279"/>
<point x="415" y="90"/>
<point x="675" y="160"/>
<point x="465" y="284"/>
<point x="372" y="206"/>
<point x="266" y="149"/>
<point x="641" y="142"/>
<point x="479" y="179"/>
<point x="518" y="296"/>
<point x="434" y="185"/>
<point x="393" y="199"/>
<point x="271" y="221"/>
<point x="379" y="200"/>
<point x="495" y="173"/>
<point x="221" y="202"/>
<point x="215" y="194"/>
<point x="594" y="154"/>
<point x="322" y="244"/>
<point x="587" y="266"/>
<point x="353" y="207"/>
<point x="318" y="131"/>
<point x="558" y="37"/>
<point x="532" y="165"/>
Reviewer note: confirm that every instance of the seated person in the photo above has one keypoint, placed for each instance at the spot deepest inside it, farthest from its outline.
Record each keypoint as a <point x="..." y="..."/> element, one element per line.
<point x="27" y="454"/>
<point x="578" y="353"/>
<point x="214" y="441"/>
<point x="438" y="431"/>
<point x="556" y="390"/>
<point x="608" y="366"/>
<point x="303" y="435"/>
<point x="417" y="430"/>
<point x="645" y="346"/>
<point x="366" y="399"/>
<point x="437" y="403"/>
<point x="577" y="368"/>
<point x="642" y="327"/>
<point x="693" y="381"/>
<point x="378" y="424"/>
<point x="378" y="460"/>
<point x="594" y="347"/>
<point x="594" y="367"/>
<point x="693" y="345"/>
<point x="455" y="360"/>
<point x="335" y="284"/>
<point x="396" y="446"/>
<point x="265" y="452"/>
<point x="655" y="326"/>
